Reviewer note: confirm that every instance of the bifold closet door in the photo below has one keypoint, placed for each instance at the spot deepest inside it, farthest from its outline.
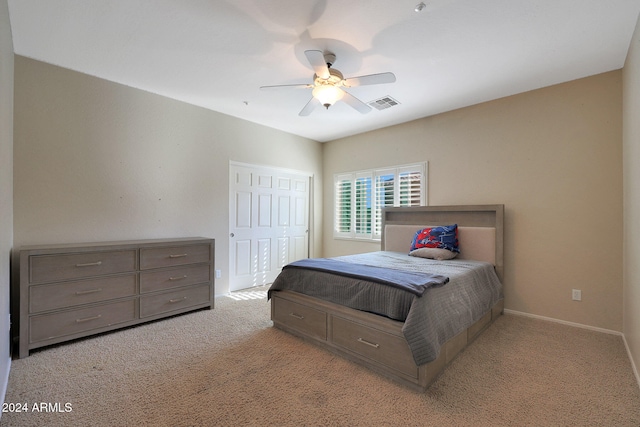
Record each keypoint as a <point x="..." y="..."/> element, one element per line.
<point x="268" y="223"/>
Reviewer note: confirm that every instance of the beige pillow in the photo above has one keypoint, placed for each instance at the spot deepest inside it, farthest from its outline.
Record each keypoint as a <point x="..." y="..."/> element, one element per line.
<point x="433" y="253"/>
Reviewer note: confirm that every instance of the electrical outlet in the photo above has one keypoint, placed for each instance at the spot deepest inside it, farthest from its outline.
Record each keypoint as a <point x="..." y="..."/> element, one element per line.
<point x="218" y="274"/>
<point x="576" y="294"/>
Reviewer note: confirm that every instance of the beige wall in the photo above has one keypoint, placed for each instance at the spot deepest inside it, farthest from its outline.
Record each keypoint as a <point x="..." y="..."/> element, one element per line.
<point x="553" y="157"/>
<point x="631" y="156"/>
<point x="6" y="187"/>
<point x="99" y="161"/>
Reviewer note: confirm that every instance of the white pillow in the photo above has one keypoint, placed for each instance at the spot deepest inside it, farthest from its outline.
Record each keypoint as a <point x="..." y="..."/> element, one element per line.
<point x="433" y="253"/>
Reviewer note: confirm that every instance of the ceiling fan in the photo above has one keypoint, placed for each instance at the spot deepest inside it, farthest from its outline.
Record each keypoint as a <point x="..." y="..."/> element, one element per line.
<point x="328" y="84"/>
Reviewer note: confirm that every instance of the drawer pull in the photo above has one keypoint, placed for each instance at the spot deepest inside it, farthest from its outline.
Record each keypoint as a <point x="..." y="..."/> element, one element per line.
<point x="368" y="343"/>
<point x="86" y="319"/>
<point x="90" y="291"/>
<point x="89" y="264"/>
<point x="178" y="256"/>
<point x="177" y="299"/>
<point x="297" y="316"/>
<point x="178" y="278"/>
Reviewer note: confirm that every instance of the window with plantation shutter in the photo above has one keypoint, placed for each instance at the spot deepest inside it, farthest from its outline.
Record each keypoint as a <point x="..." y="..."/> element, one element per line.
<point x="360" y="197"/>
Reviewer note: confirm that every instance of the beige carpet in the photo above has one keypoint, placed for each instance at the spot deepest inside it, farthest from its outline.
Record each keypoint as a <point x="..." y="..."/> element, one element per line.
<point x="229" y="367"/>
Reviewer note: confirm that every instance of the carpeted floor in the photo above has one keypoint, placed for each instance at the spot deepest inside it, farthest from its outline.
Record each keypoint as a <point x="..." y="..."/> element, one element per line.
<point x="229" y="367"/>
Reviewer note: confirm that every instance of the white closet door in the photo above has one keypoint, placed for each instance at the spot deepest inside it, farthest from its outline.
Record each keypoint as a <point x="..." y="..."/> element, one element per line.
<point x="268" y="223"/>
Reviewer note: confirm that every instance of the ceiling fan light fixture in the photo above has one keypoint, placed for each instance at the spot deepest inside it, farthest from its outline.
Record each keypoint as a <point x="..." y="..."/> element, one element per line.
<point x="328" y="84"/>
<point x="327" y="94"/>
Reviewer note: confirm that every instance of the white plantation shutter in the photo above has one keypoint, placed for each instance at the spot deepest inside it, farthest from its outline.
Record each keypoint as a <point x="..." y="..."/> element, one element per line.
<point x="410" y="187"/>
<point x="342" y="215"/>
<point x="360" y="197"/>
<point x="385" y="189"/>
<point x="363" y="206"/>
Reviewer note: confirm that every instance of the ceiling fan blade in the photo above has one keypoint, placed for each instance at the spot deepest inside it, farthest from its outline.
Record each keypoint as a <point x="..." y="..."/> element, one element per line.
<point x="355" y="103"/>
<point x="316" y="59"/>
<point x="371" y="79"/>
<point x="297" y="86"/>
<point x="311" y="105"/>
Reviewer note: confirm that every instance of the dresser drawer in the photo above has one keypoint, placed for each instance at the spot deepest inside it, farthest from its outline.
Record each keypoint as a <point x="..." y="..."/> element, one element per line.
<point x="300" y="317"/>
<point x="49" y="326"/>
<point x="176" y="255"/>
<point x="53" y="268"/>
<point x="69" y="294"/>
<point x="176" y="300"/>
<point x="182" y="276"/>
<point x="387" y="349"/>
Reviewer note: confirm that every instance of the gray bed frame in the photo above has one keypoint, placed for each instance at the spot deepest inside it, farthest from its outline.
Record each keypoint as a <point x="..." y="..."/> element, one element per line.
<point x="375" y="341"/>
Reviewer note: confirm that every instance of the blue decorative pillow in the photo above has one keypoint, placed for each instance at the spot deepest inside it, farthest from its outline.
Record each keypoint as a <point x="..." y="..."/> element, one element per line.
<point x="442" y="237"/>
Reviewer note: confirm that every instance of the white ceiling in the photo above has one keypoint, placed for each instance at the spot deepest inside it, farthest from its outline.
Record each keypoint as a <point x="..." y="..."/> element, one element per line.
<point x="216" y="54"/>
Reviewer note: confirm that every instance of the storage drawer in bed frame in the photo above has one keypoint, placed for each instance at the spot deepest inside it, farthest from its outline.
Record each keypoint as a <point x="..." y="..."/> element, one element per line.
<point x="371" y="340"/>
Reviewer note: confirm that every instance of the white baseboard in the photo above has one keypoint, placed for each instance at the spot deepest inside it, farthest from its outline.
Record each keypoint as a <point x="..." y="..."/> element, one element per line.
<point x="580" y="325"/>
<point x="564" y="322"/>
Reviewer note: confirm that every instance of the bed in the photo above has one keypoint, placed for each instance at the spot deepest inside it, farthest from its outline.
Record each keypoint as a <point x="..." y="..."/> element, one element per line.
<point x="407" y="335"/>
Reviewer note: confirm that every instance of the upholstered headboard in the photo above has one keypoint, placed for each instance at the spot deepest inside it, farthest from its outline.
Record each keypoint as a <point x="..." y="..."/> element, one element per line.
<point x="480" y="229"/>
<point x="477" y="243"/>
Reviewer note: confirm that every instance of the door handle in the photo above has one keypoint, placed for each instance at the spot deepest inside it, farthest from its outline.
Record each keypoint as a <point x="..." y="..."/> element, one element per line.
<point x="231" y="235"/>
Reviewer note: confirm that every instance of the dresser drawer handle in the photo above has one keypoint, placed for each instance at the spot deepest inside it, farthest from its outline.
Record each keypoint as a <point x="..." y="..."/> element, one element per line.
<point x="89" y="264"/>
<point x="178" y="256"/>
<point x="90" y="291"/>
<point x="297" y="316"/>
<point x="368" y="343"/>
<point x="178" y="278"/>
<point x="86" y="319"/>
<point x="177" y="300"/>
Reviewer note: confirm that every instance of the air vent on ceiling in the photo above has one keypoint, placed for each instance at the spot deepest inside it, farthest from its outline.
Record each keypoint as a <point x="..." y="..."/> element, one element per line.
<point x="384" y="103"/>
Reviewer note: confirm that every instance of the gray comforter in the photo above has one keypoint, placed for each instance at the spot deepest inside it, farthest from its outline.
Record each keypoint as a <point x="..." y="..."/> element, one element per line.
<point x="411" y="281"/>
<point x="430" y="320"/>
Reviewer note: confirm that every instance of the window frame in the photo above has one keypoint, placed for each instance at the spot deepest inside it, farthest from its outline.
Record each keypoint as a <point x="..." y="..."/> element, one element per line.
<point x="350" y="227"/>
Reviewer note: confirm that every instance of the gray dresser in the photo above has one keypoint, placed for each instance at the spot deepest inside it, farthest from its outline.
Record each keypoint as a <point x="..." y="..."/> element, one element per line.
<point x="72" y="291"/>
